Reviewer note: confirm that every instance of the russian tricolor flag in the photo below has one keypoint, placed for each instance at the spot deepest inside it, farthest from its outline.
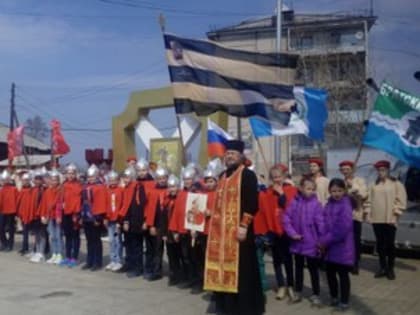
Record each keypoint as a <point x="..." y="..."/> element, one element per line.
<point x="216" y="140"/>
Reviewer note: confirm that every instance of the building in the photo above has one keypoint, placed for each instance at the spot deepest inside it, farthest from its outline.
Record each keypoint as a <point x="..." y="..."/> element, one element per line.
<point x="334" y="55"/>
<point x="38" y="152"/>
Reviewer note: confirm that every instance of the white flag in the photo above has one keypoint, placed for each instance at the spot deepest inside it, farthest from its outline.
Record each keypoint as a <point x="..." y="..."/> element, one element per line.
<point x="190" y="126"/>
<point x="146" y="131"/>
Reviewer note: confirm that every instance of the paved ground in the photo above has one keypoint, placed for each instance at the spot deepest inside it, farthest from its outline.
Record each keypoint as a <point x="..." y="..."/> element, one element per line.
<point x="31" y="289"/>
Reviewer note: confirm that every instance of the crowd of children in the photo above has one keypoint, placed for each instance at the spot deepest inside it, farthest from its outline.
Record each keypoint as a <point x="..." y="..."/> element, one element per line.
<point x="317" y="222"/>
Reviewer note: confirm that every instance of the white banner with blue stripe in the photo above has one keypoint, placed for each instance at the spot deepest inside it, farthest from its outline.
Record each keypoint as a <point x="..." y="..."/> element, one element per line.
<point x="308" y="117"/>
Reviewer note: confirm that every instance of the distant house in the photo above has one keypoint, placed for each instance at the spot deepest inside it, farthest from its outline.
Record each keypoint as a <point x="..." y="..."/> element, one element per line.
<point x="37" y="151"/>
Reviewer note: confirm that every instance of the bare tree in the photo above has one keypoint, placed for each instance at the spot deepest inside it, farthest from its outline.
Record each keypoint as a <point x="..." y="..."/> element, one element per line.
<point x="36" y="128"/>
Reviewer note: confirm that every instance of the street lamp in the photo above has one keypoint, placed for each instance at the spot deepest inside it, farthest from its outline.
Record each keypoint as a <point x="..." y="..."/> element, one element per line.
<point x="417" y="75"/>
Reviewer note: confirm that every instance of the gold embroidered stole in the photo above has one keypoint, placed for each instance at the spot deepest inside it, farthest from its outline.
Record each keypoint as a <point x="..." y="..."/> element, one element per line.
<point x="222" y="254"/>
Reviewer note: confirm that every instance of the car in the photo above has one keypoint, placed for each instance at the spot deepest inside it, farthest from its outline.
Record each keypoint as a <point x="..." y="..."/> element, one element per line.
<point x="407" y="240"/>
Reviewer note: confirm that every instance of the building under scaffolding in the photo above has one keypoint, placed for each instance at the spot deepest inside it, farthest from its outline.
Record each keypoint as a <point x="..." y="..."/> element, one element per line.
<point x="334" y="55"/>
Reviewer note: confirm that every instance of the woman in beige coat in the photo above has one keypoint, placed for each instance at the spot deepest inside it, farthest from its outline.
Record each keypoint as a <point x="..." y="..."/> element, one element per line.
<point x="387" y="201"/>
<point x="317" y="173"/>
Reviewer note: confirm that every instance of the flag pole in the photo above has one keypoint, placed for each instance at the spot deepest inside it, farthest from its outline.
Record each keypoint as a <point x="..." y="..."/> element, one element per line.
<point x="162" y="24"/>
<point x="239" y="128"/>
<point x="52" y="162"/>
<point x="277" y="140"/>
<point x="260" y="148"/>
<point x="372" y="84"/>
<point x="15" y="119"/>
<point x="11" y="126"/>
<point x="282" y="145"/>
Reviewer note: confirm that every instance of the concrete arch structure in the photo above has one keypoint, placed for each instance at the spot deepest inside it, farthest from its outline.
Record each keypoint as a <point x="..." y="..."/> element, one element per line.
<point x="140" y="104"/>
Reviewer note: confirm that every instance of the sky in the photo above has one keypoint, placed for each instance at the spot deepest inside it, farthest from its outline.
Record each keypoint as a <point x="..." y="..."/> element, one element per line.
<point x="77" y="61"/>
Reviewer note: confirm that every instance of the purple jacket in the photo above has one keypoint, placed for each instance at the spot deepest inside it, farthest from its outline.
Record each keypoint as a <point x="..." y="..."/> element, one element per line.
<point x="304" y="217"/>
<point x="338" y="237"/>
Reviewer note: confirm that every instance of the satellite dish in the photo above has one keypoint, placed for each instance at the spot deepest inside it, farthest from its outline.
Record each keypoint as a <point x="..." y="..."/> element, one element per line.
<point x="359" y="35"/>
<point x="417" y="75"/>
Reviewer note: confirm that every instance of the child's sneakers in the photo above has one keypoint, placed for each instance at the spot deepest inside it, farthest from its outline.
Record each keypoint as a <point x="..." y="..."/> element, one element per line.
<point x="295" y="297"/>
<point x="117" y="267"/>
<point x="281" y="293"/>
<point x="109" y="266"/>
<point x="52" y="259"/>
<point x="315" y="300"/>
<point x="58" y="259"/>
<point x="72" y="263"/>
<point x="29" y="255"/>
<point x="64" y="262"/>
<point x="37" y="258"/>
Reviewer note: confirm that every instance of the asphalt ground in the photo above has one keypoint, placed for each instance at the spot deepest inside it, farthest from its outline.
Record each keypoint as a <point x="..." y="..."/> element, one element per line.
<point x="32" y="289"/>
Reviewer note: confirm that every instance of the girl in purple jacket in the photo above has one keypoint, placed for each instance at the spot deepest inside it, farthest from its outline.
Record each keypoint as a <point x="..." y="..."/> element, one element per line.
<point x="338" y="243"/>
<point x="304" y="224"/>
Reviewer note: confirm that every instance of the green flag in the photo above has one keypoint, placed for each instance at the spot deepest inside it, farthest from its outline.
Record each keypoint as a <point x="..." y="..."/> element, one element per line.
<point x="394" y="125"/>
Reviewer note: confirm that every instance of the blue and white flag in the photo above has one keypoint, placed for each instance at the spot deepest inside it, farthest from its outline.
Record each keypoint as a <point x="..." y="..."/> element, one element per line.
<point x="207" y="77"/>
<point x="308" y="117"/>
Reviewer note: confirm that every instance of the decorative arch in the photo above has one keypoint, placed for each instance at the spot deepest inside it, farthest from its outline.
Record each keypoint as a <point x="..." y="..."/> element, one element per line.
<point x="140" y="104"/>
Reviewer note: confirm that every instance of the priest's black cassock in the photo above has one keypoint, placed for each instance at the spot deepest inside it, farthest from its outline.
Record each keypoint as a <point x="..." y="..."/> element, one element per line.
<point x="250" y="297"/>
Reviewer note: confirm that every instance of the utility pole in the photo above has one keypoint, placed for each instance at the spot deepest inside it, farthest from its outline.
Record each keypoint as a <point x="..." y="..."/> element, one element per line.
<point x="277" y="141"/>
<point x="12" y="113"/>
<point x="12" y="106"/>
<point x="282" y="148"/>
<point x="371" y="8"/>
<point x="13" y="120"/>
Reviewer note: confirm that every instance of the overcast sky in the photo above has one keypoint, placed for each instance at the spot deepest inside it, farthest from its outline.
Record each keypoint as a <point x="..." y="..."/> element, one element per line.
<point x="78" y="60"/>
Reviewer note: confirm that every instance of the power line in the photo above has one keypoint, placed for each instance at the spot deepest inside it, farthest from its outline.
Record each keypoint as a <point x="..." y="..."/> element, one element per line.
<point x="153" y="7"/>
<point x="40" y="109"/>
<point x="96" y="90"/>
<point x="75" y="16"/>
<point x="138" y="4"/>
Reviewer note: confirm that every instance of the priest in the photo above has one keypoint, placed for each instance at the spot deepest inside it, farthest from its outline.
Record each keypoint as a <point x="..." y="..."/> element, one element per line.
<point x="231" y="268"/>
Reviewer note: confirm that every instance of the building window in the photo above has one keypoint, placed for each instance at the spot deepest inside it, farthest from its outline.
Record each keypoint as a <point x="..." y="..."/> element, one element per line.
<point x="351" y="39"/>
<point x="302" y="42"/>
<point x="335" y="39"/>
<point x="306" y="42"/>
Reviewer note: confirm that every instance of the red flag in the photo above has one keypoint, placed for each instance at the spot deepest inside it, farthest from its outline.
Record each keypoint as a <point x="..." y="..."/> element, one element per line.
<point x="15" y="142"/>
<point x="59" y="145"/>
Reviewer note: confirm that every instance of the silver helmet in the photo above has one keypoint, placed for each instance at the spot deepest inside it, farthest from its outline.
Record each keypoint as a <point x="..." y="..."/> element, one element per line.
<point x="216" y="165"/>
<point x="142" y="164"/>
<point x="210" y="173"/>
<point x="161" y="172"/>
<point x="54" y="173"/>
<point x="196" y="167"/>
<point x="71" y="167"/>
<point x="93" y="171"/>
<point x="129" y="172"/>
<point x="26" y="176"/>
<point x="43" y="171"/>
<point x="38" y="173"/>
<point x="189" y="173"/>
<point x="5" y="176"/>
<point x="173" y="180"/>
<point x="112" y="175"/>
